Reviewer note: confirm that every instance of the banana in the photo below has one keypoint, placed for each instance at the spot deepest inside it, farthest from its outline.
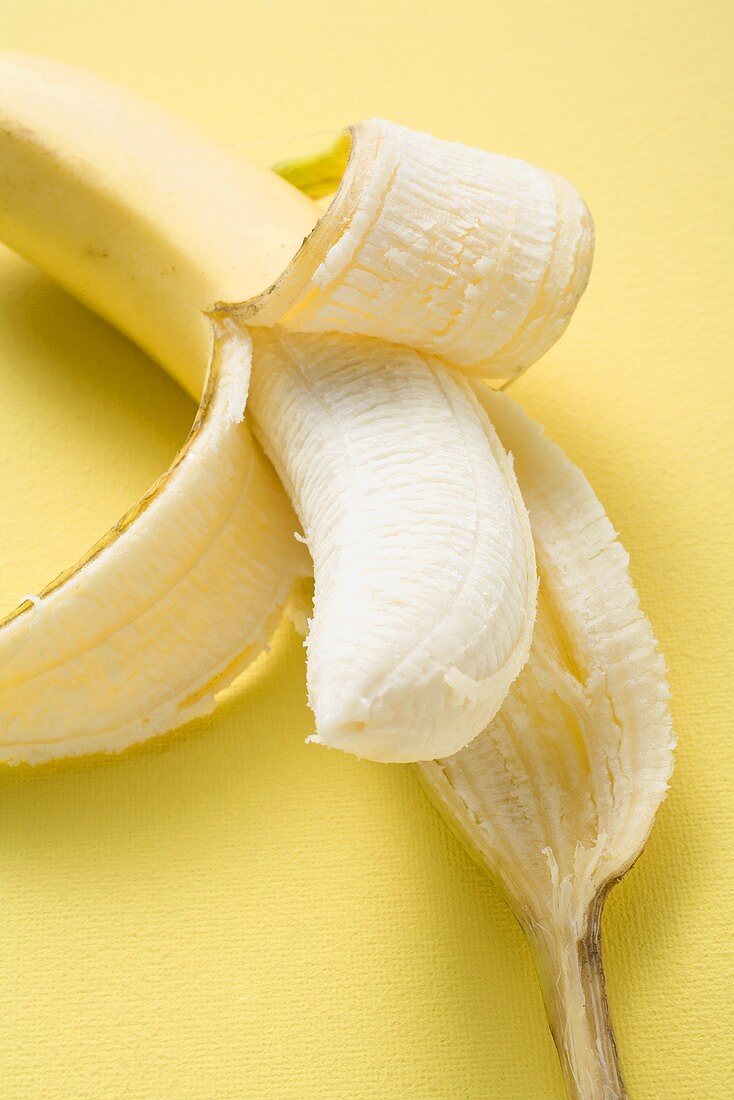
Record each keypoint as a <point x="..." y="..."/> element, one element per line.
<point x="468" y="261"/>
<point x="556" y="797"/>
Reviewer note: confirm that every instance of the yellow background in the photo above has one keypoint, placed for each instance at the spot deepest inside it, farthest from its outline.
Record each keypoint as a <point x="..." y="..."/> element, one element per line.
<point x="229" y="913"/>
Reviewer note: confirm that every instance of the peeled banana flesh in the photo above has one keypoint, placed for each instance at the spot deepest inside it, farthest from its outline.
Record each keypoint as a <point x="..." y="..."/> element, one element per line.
<point x="139" y="636"/>
<point x="429" y="524"/>
<point x="152" y="226"/>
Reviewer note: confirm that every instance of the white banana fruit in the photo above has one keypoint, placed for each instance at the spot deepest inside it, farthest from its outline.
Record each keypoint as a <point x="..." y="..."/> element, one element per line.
<point x="557" y="795"/>
<point x="168" y="608"/>
<point x="419" y="539"/>
<point x="150" y="225"/>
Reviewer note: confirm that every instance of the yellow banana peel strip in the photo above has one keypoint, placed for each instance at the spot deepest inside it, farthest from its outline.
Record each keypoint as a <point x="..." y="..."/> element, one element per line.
<point x="475" y="260"/>
<point x="420" y="540"/>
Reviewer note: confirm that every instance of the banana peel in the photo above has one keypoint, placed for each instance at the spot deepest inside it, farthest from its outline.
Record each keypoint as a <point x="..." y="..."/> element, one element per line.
<point x="557" y="796"/>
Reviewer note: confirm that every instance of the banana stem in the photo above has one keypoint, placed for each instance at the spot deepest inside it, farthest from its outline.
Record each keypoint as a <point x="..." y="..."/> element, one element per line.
<point x="574" y="990"/>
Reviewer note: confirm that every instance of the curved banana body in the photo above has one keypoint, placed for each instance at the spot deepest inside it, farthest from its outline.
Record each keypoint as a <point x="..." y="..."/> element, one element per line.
<point x="423" y="559"/>
<point x="134" y="211"/>
<point x="150" y="225"/>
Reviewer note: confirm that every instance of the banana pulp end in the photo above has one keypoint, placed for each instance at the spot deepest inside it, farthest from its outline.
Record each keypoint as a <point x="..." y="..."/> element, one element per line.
<point x="424" y="569"/>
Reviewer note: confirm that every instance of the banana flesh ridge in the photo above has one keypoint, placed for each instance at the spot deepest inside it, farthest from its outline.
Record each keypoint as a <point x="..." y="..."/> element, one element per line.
<point x="445" y="545"/>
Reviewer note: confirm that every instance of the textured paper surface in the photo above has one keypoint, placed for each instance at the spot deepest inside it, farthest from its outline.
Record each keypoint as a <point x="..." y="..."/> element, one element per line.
<point x="231" y="913"/>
